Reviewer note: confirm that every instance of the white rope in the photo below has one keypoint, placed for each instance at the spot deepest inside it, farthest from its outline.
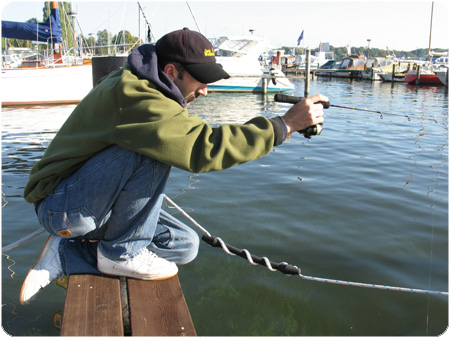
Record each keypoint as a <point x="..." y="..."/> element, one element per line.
<point x="311" y="278"/>
<point x="372" y="286"/>
<point x="23" y="240"/>
<point x="186" y="215"/>
<point x="265" y="259"/>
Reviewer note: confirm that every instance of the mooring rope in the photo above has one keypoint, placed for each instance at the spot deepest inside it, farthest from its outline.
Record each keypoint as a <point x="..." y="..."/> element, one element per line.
<point x="23" y="240"/>
<point x="283" y="267"/>
<point x="291" y="269"/>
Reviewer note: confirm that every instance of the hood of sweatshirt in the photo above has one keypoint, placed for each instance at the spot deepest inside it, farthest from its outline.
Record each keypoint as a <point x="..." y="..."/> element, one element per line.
<point x="144" y="63"/>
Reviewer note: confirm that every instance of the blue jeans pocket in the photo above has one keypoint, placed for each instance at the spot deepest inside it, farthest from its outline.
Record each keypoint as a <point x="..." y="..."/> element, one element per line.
<point x="72" y="223"/>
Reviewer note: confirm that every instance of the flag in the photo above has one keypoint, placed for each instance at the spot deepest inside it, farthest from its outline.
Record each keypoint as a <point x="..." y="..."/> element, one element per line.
<point x="300" y="38"/>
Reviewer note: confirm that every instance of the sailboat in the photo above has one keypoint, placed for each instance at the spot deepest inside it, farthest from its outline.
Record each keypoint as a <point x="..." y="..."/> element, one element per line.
<point x="56" y="78"/>
<point x="425" y="74"/>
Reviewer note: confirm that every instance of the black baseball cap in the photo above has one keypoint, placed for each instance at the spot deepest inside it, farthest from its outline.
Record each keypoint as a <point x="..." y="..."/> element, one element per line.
<point x="194" y="52"/>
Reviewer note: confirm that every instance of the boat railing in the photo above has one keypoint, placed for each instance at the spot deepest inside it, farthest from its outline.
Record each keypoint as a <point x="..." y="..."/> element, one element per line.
<point x="44" y="58"/>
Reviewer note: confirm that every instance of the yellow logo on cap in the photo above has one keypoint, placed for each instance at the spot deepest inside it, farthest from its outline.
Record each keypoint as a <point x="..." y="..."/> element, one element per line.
<point x="209" y="52"/>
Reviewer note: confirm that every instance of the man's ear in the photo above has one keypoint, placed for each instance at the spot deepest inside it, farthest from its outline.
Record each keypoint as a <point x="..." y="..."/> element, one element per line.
<point x="171" y="71"/>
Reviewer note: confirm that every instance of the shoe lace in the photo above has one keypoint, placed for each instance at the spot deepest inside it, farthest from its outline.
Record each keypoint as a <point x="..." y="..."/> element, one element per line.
<point x="148" y="255"/>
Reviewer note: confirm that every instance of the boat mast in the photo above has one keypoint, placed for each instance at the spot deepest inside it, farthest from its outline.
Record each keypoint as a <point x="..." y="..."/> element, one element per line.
<point x="73" y="15"/>
<point x="431" y="28"/>
<point x="56" y="47"/>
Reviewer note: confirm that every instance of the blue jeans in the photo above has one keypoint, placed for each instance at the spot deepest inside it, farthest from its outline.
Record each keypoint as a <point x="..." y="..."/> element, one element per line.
<point x="115" y="198"/>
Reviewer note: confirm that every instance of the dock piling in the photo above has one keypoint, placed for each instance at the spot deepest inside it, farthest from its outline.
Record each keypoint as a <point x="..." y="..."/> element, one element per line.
<point x="418" y="75"/>
<point x="307" y="72"/>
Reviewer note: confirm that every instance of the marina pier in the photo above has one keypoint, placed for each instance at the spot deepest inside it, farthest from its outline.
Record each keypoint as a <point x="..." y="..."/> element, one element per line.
<point x="99" y="305"/>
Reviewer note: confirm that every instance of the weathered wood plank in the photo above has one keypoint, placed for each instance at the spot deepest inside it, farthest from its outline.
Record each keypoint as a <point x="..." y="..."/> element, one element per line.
<point x="92" y="307"/>
<point x="158" y="308"/>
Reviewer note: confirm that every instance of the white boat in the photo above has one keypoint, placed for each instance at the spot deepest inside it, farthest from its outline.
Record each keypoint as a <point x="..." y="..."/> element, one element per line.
<point x="54" y="78"/>
<point x="321" y="57"/>
<point x="11" y="60"/>
<point x="440" y="67"/>
<point x="376" y="65"/>
<point x="240" y="56"/>
<point x="442" y="74"/>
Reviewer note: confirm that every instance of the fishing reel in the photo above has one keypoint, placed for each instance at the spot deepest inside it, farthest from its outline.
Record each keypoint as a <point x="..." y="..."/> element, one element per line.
<point x="311" y="130"/>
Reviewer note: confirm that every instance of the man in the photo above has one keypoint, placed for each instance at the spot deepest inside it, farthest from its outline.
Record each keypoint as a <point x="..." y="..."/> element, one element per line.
<point x="98" y="189"/>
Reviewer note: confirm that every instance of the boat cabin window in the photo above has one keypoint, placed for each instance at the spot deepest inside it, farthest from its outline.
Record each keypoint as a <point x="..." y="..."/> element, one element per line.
<point x="235" y="48"/>
<point x="345" y="63"/>
<point x="358" y="62"/>
<point x="371" y="63"/>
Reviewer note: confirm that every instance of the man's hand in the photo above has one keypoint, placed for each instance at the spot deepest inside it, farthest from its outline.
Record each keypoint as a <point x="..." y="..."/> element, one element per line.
<point x="307" y="112"/>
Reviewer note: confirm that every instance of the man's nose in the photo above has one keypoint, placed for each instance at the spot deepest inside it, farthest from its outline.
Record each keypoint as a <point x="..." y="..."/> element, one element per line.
<point x="203" y="89"/>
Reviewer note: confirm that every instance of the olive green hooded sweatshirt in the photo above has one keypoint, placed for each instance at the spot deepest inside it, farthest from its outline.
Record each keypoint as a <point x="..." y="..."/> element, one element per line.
<point x="134" y="113"/>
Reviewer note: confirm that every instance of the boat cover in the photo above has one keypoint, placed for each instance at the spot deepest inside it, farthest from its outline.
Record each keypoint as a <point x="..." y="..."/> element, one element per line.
<point x="49" y="31"/>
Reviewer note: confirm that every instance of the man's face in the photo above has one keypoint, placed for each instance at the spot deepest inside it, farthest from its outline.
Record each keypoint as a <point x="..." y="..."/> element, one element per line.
<point x="190" y="87"/>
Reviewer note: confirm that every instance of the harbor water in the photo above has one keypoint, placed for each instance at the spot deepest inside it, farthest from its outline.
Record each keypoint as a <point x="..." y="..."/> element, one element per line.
<point x="365" y="201"/>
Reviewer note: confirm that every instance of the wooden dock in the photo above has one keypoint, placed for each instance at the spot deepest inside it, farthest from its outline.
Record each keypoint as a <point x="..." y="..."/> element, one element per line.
<point x="99" y="305"/>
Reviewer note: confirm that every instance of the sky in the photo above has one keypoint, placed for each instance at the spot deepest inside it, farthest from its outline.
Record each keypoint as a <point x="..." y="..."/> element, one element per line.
<point x="395" y="24"/>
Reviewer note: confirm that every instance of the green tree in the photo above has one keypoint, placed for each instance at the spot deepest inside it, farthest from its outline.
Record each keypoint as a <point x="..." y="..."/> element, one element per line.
<point x="103" y="38"/>
<point x="125" y="38"/>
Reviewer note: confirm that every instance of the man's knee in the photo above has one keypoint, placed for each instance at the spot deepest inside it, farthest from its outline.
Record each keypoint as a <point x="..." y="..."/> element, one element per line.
<point x="191" y="249"/>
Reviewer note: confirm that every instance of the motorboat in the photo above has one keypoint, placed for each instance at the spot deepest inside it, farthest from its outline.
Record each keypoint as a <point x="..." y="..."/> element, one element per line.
<point x="374" y="66"/>
<point x="241" y="57"/>
<point x="350" y="67"/>
<point x="295" y="63"/>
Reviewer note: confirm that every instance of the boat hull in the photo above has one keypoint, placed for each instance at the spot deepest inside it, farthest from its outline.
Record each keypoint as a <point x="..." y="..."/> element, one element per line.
<point x="40" y="86"/>
<point x="250" y="85"/>
<point x="388" y="77"/>
<point x="443" y="76"/>
<point x="427" y="79"/>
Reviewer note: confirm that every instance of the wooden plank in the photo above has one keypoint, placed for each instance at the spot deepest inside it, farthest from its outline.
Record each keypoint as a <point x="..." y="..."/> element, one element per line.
<point x="158" y="308"/>
<point x="92" y="307"/>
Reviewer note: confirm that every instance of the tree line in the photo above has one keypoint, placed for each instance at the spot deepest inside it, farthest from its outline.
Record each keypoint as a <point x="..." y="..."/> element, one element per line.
<point x="342" y="52"/>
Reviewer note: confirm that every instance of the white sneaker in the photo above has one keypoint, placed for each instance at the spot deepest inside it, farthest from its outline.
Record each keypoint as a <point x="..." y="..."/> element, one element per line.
<point x="47" y="268"/>
<point x="145" y="265"/>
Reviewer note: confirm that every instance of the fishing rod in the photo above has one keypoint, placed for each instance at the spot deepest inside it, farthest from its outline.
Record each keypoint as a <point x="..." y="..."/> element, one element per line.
<point x="317" y="129"/>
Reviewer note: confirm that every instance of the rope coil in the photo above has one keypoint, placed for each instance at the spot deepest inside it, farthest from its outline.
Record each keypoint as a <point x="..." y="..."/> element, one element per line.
<point x="283" y="267"/>
<point x="294" y="270"/>
<point x="291" y="269"/>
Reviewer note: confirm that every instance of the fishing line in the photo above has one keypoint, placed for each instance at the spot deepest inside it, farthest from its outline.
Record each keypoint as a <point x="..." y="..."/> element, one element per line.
<point x="433" y="207"/>
<point x="11" y="265"/>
